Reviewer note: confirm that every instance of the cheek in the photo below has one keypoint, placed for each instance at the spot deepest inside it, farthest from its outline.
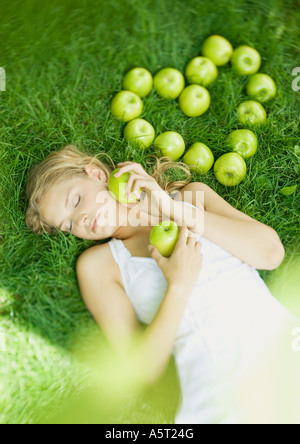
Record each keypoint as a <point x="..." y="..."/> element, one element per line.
<point x="104" y="200"/>
<point x="106" y="207"/>
<point x="101" y="198"/>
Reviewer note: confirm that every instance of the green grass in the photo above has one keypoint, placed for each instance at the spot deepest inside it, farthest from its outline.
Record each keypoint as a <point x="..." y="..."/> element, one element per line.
<point x="64" y="62"/>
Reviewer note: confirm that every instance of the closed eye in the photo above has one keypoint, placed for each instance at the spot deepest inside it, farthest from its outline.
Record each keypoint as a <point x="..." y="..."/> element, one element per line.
<point x="78" y="202"/>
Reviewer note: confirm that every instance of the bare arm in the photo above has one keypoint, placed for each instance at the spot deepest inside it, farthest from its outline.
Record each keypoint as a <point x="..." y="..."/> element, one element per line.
<point x="155" y="345"/>
<point x="254" y="243"/>
<point x="244" y="237"/>
<point x="147" y="352"/>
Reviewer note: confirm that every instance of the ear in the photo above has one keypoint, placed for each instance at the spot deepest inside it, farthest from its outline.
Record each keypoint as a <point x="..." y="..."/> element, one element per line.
<point x="95" y="172"/>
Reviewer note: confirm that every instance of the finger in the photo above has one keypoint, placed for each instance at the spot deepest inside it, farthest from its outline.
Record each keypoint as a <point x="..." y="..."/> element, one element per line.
<point x="139" y="181"/>
<point x="121" y="171"/>
<point x="134" y="167"/>
<point x="193" y="236"/>
<point x="155" y="253"/>
<point x="198" y="246"/>
<point x="128" y="205"/>
<point x="191" y="239"/>
<point x="122" y="164"/>
<point x="182" y="238"/>
<point x="137" y="190"/>
<point x="133" y="177"/>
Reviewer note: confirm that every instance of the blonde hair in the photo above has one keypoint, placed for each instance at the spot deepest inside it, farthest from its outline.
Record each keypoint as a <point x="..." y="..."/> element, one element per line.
<point x="69" y="163"/>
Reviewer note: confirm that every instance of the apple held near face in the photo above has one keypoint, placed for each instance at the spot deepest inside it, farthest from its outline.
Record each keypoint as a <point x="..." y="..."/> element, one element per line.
<point x="199" y="158"/>
<point x="171" y="144"/>
<point x="139" y="81"/>
<point x="245" y="60"/>
<point x="218" y="49"/>
<point x="251" y="113"/>
<point x="261" y="87"/>
<point x="139" y="133"/>
<point x="164" y="237"/>
<point x="194" y="100"/>
<point x="201" y="71"/>
<point x="230" y="169"/>
<point x="169" y="83"/>
<point x="243" y="142"/>
<point x="117" y="186"/>
<point x="126" y="106"/>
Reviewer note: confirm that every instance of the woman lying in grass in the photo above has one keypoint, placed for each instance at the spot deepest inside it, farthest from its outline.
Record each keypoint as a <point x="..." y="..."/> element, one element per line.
<point x="206" y="304"/>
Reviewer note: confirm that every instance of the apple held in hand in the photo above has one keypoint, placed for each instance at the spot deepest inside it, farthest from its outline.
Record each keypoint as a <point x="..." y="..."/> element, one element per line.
<point x="201" y="71"/>
<point x="169" y="83"/>
<point x="126" y="106"/>
<point x="251" y="113"/>
<point x="139" y="133"/>
<point x="194" y="100"/>
<point x="261" y="87"/>
<point x="230" y="169"/>
<point x="171" y="144"/>
<point x="199" y="158"/>
<point x="117" y="186"/>
<point x="139" y="81"/>
<point x="164" y="237"/>
<point x="218" y="49"/>
<point x="245" y="60"/>
<point x="243" y="142"/>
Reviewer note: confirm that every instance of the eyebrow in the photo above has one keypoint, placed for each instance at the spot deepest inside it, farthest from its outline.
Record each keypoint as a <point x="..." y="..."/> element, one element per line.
<point x="66" y="203"/>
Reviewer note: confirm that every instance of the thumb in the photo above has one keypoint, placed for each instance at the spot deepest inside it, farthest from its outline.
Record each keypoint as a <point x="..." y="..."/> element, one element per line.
<point x="154" y="252"/>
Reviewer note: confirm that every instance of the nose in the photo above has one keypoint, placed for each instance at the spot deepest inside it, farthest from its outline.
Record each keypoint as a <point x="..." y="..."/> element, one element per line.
<point x="83" y="220"/>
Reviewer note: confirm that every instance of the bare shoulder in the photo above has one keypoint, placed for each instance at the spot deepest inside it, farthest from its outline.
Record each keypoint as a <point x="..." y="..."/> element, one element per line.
<point x="98" y="257"/>
<point x="104" y="295"/>
<point x="90" y="253"/>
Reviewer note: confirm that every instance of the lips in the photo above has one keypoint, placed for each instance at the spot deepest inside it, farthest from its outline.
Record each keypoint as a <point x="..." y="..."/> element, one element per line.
<point x="94" y="225"/>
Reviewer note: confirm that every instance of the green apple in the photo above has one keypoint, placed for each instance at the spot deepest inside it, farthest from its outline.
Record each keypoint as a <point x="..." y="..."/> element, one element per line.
<point x="169" y="83"/>
<point x="139" y="81"/>
<point x="126" y="106"/>
<point x="117" y="186"/>
<point x="164" y="237"/>
<point x="194" y="100"/>
<point x="243" y="142"/>
<point x="201" y="71"/>
<point x="261" y="87"/>
<point x="199" y="158"/>
<point x="245" y="60"/>
<point x="230" y="169"/>
<point x="251" y="113"/>
<point x="218" y="49"/>
<point x="171" y="144"/>
<point x="139" y="133"/>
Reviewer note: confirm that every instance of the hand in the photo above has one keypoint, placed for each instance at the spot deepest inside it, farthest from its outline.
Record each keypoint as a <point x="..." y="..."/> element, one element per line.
<point x="153" y="200"/>
<point x="183" y="267"/>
